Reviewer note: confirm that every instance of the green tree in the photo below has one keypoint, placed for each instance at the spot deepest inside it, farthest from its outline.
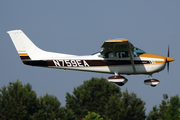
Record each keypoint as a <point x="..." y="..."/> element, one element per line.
<point x="17" y="101"/>
<point x="92" y="116"/>
<point x="163" y="107"/>
<point x="172" y="112"/>
<point x="91" y="96"/>
<point x="168" y="109"/>
<point x="67" y="114"/>
<point x="49" y="108"/>
<point x="105" y="98"/>
<point x="154" y="114"/>
<point x="112" y="108"/>
<point x="128" y="107"/>
<point x="159" y="113"/>
<point x="132" y="107"/>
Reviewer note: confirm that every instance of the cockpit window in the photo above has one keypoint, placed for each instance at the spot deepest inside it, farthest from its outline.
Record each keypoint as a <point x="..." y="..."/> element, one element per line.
<point x="137" y="52"/>
<point x="122" y="54"/>
<point x="107" y="55"/>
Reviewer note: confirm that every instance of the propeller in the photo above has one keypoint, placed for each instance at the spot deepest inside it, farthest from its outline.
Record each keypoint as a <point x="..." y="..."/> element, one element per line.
<point x="168" y="61"/>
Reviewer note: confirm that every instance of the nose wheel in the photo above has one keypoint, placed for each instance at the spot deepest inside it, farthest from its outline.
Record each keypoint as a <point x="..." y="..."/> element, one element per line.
<point x="153" y="82"/>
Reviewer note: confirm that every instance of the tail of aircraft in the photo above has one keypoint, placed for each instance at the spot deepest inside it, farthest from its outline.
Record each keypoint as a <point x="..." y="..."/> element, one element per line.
<point x="27" y="50"/>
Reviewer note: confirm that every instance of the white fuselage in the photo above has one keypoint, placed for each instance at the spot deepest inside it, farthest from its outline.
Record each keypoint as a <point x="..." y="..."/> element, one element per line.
<point x="93" y="63"/>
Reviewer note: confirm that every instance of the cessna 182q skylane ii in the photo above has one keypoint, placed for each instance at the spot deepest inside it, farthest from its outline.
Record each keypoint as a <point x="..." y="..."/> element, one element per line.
<point x="119" y="56"/>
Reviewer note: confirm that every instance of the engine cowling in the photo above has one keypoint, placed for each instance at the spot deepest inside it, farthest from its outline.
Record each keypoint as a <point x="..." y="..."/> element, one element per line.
<point x="152" y="82"/>
<point x="119" y="80"/>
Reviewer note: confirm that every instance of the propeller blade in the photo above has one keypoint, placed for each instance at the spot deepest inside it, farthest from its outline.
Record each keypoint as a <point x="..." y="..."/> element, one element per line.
<point x="168" y="67"/>
<point x="168" y="51"/>
<point x="168" y="61"/>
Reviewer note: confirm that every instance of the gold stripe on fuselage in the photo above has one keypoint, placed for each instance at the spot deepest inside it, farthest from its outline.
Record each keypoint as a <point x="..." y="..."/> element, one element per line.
<point x="23" y="54"/>
<point x="152" y="56"/>
<point x="157" y="62"/>
<point x="161" y="60"/>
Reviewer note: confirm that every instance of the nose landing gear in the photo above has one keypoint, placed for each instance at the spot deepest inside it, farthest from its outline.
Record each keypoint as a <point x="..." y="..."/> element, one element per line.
<point x="152" y="82"/>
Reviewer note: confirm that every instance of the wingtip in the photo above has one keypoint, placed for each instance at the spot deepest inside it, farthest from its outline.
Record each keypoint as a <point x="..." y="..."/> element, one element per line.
<point x="17" y="30"/>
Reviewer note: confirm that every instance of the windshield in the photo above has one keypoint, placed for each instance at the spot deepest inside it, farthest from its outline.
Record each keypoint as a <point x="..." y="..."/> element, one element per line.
<point x="137" y="51"/>
<point x="95" y="53"/>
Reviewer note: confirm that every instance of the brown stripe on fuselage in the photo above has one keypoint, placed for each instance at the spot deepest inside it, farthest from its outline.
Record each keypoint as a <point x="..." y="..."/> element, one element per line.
<point x="91" y="63"/>
<point x="94" y="63"/>
<point x="25" y="57"/>
<point x="36" y="63"/>
<point x="114" y="62"/>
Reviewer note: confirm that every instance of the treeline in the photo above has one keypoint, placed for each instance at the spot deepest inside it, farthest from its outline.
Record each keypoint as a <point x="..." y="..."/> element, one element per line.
<point x="96" y="99"/>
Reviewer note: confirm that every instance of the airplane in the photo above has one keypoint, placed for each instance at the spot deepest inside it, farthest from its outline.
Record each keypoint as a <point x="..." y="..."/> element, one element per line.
<point x="118" y="57"/>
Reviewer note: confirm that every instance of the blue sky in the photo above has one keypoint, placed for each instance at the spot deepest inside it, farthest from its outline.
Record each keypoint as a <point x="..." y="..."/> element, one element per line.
<point x="80" y="27"/>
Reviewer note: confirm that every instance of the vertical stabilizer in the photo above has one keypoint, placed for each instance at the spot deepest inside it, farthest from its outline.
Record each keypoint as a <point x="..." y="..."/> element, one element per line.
<point x="26" y="49"/>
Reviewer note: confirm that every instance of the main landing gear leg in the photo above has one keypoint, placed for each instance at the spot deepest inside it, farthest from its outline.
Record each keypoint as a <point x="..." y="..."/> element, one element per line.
<point x="119" y="80"/>
<point x="150" y="76"/>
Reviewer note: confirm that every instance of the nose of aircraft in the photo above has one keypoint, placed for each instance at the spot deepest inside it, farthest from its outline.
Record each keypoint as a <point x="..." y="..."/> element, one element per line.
<point x="168" y="59"/>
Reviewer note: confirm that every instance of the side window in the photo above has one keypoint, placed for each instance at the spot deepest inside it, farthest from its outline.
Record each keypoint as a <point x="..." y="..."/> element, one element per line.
<point x="122" y="54"/>
<point x="107" y="55"/>
<point x="110" y="55"/>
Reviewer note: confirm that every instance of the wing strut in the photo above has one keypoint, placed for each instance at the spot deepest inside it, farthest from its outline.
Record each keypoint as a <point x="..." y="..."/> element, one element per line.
<point x="131" y="57"/>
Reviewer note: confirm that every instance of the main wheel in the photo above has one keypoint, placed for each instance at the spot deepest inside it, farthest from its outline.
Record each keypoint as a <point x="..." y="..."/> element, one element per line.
<point x="120" y="83"/>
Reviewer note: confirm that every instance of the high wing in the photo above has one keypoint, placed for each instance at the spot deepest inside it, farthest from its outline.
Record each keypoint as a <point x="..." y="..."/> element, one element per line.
<point x="119" y="45"/>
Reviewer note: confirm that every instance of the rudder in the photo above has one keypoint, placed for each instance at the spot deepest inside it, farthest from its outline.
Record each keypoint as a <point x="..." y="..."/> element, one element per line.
<point x="24" y="46"/>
